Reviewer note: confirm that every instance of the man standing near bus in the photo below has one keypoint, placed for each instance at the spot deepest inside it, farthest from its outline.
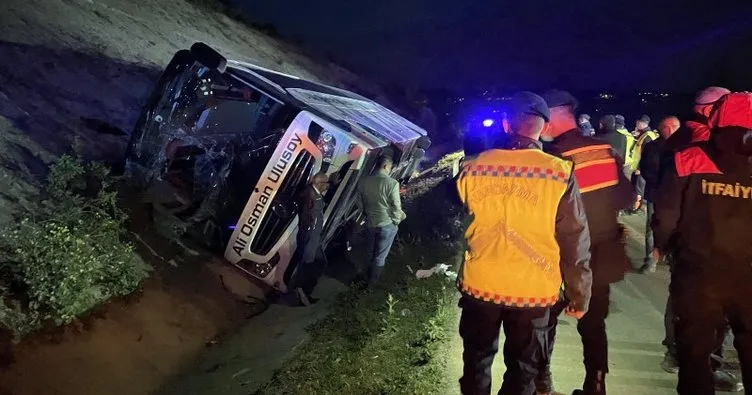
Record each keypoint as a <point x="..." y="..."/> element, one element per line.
<point x="379" y="198"/>
<point x="311" y="258"/>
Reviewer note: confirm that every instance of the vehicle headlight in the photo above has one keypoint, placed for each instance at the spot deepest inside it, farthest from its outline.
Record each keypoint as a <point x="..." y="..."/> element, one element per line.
<point x="326" y="144"/>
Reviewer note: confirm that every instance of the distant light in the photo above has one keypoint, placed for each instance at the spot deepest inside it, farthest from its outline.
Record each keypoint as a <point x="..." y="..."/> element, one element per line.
<point x="488" y="122"/>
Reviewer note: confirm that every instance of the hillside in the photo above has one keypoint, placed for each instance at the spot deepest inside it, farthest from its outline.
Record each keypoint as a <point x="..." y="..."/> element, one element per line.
<point x="74" y="74"/>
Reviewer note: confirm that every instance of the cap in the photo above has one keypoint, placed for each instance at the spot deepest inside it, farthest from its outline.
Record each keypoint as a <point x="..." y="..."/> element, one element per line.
<point x="559" y="98"/>
<point x="585" y="117"/>
<point x="530" y="103"/>
<point x="710" y="95"/>
<point x="620" y="120"/>
<point x="644" y="118"/>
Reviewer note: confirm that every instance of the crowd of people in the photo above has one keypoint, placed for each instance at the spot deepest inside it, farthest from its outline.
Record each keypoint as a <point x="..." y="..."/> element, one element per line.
<point x="544" y="238"/>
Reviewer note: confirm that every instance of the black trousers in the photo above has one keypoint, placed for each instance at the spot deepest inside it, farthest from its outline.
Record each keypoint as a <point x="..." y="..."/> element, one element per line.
<point x="702" y="304"/>
<point x="311" y="261"/>
<point x="525" y="331"/>
<point x="649" y="242"/>
<point x="669" y="322"/>
<point x="592" y="330"/>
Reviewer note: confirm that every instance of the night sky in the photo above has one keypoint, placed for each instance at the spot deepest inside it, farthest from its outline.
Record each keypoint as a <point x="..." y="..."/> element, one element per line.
<point x="676" y="45"/>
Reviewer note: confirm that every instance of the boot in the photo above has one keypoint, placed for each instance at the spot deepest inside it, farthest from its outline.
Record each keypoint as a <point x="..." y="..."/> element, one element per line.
<point x="544" y="384"/>
<point x="595" y="384"/>
<point x="726" y="382"/>
<point x="670" y="364"/>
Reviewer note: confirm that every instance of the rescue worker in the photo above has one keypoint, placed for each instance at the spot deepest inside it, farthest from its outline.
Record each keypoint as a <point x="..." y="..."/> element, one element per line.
<point x="702" y="218"/>
<point x="653" y="156"/>
<point x="629" y="164"/>
<point x="310" y="256"/>
<point x="607" y="132"/>
<point x="643" y="135"/>
<point x="527" y="230"/>
<point x="704" y="101"/>
<point x="656" y="158"/>
<point x="605" y="190"/>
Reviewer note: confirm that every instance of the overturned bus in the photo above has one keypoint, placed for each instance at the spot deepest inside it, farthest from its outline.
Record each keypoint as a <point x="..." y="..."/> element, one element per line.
<point x="224" y="148"/>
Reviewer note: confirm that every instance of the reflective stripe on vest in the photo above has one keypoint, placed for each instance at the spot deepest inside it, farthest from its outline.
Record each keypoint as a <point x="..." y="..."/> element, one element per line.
<point x="694" y="160"/>
<point x="594" y="167"/>
<point x="640" y="145"/>
<point x="513" y="256"/>
<point x="629" y="147"/>
<point x="649" y="134"/>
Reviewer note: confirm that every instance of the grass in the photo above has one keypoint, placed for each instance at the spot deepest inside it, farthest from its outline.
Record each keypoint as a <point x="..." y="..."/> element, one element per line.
<point x="393" y="339"/>
<point x="388" y="341"/>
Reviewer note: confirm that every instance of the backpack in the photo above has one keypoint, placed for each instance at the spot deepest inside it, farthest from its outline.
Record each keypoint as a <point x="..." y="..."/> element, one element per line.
<point x="734" y="109"/>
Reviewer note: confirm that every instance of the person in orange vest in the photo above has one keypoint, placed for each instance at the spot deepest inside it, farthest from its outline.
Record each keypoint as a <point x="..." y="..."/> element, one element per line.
<point x="702" y="214"/>
<point x="605" y="191"/>
<point x="527" y="233"/>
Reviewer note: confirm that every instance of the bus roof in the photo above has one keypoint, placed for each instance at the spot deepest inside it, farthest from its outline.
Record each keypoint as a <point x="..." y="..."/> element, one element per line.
<point x="339" y="104"/>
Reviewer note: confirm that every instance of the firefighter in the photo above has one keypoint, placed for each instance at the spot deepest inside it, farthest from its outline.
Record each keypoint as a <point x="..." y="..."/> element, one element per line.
<point x="696" y="130"/>
<point x="527" y="229"/>
<point x="605" y="190"/>
<point x="697" y="126"/>
<point x="702" y="216"/>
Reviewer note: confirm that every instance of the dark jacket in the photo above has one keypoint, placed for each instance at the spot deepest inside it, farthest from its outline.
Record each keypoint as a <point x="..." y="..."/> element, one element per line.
<point x="311" y="210"/>
<point x="605" y="190"/>
<point x="656" y="157"/>
<point x="616" y="140"/>
<point x="703" y="209"/>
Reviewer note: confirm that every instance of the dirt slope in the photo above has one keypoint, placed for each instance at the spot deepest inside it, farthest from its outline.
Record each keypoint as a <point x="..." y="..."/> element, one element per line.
<point x="73" y="77"/>
<point x="71" y="69"/>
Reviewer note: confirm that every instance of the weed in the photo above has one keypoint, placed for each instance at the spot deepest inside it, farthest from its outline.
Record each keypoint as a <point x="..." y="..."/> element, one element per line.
<point x="70" y="255"/>
<point x="390" y="340"/>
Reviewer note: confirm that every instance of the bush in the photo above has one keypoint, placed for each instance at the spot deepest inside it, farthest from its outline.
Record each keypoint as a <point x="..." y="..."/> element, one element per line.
<point x="391" y="341"/>
<point x="70" y="255"/>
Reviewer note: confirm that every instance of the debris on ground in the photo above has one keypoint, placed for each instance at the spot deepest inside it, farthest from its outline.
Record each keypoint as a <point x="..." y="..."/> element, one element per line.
<point x="441" y="268"/>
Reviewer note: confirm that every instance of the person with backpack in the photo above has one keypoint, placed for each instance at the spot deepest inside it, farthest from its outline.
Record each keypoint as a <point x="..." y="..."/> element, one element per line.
<point x="703" y="209"/>
<point x="704" y="101"/>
